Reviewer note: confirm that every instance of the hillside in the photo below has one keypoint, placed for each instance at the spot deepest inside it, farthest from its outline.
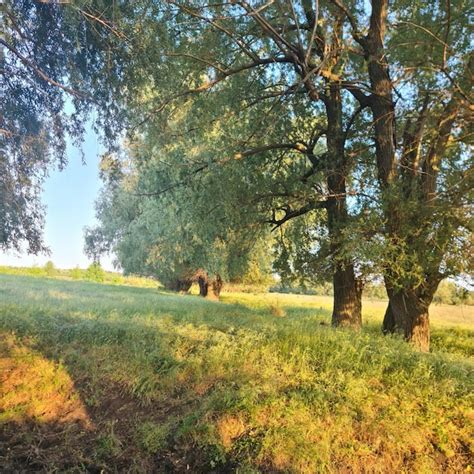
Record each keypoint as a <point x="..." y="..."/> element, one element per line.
<point x="127" y="378"/>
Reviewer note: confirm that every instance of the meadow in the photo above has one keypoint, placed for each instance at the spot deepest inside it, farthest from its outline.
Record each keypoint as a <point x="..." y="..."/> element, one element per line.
<point x="121" y="376"/>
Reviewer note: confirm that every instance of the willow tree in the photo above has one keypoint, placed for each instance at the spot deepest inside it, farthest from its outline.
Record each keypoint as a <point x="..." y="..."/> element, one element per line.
<point x="268" y="75"/>
<point x="419" y="65"/>
<point x="59" y="61"/>
<point x="171" y="232"/>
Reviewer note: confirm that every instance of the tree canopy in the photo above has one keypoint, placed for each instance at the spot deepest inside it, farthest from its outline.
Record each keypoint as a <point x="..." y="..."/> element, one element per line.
<point x="58" y="64"/>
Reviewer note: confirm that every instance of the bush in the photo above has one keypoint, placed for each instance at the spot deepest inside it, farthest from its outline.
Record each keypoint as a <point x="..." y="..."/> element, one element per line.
<point x="95" y="273"/>
<point x="76" y="273"/>
<point x="49" y="268"/>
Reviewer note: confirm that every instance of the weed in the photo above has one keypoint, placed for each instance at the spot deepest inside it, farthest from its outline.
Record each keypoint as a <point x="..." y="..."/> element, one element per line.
<point x="152" y="437"/>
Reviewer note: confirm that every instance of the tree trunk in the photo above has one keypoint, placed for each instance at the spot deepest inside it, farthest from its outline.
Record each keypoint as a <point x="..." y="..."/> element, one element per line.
<point x="381" y="100"/>
<point x="347" y="289"/>
<point x="208" y="288"/>
<point x="393" y="321"/>
<point x="216" y="286"/>
<point x="203" y="283"/>
<point x="347" y="309"/>
<point x="388" y="325"/>
<point x="408" y="314"/>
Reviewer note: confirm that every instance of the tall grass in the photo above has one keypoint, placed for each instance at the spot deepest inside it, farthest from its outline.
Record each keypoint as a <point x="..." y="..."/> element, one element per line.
<point x="176" y="382"/>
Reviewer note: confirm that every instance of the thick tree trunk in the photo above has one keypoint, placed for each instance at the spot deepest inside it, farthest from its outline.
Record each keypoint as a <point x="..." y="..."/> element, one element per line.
<point x="208" y="288"/>
<point x="203" y="283"/>
<point x="408" y="314"/>
<point x="347" y="309"/>
<point x="347" y="289"/>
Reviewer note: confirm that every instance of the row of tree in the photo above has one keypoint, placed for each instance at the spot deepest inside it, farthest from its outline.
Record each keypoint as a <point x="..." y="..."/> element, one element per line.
<point x="336" y="133"/>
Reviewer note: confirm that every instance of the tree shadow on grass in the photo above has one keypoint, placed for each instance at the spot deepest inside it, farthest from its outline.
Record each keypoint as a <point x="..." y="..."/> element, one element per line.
<point x="55" y="417"/>
<point x="65" y="338"/>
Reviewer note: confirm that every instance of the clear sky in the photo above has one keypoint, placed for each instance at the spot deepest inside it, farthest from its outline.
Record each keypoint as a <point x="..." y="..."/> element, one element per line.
<point x="69" y="196"/>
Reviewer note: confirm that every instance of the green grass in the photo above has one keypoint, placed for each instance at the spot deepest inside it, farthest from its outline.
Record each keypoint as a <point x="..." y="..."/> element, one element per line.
<point x="127" y="378"/>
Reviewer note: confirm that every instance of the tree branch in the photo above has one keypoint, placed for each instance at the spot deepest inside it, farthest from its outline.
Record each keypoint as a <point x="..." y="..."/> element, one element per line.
<point x="27" y="62"/>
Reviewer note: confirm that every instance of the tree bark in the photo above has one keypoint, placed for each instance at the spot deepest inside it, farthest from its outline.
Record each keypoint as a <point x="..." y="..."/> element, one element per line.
<point x="209" y="288"/>
<point x="347" y="289"/>
<point x="388" y="325"/>
<point x="216" y="286"/>
<point x="347" y="308"/>
<point x="408" y="314"/>
<point x="381" y="101"/>
<point x="203" y="283"/>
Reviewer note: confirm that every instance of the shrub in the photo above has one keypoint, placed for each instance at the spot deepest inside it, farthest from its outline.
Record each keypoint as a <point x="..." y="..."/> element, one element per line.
<point x="49" y="268"/>
<point x="76" y="273"/>
<point x="95" y="273"/>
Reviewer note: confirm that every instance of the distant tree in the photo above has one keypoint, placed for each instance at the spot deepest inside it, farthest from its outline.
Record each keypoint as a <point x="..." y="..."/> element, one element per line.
<point x="449" y="292"/>
<point x="49" y="268"/>
<point x="77" y="273"/>
<point x="94" y="272"/>
<point x="174" y="236"/>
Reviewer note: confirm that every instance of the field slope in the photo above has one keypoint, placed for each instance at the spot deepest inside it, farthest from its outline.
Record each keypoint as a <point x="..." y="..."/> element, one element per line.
<point x="98" y="377"/>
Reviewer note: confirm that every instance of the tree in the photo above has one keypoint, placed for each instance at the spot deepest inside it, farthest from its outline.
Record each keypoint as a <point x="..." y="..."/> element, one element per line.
<point x="171" y="235"/>
<point x="265" y="80"/>
<point x="423" y="167"/>
<point x="58" y="62"/>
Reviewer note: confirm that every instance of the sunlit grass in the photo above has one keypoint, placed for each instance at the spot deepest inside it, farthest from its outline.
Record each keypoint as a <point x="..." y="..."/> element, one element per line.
<point x="34" y="387"/>
<point x="257" y="382"/>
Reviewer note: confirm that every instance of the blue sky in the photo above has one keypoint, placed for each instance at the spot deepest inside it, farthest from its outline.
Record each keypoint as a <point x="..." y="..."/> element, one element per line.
<point x="69" y="196"/>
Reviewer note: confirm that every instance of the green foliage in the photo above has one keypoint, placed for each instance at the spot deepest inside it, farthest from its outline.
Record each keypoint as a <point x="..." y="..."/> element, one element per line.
<point x="56" y="67"/>
<point x="173" y="235"/>
<point x="450" y="293"/>
<point x="94" y="272"/>
<point x="77" y="273"/>
<point x="49" y="268"/>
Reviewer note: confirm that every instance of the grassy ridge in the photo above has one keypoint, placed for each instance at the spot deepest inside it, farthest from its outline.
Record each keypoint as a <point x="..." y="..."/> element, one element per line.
<point x="153" y="381"/>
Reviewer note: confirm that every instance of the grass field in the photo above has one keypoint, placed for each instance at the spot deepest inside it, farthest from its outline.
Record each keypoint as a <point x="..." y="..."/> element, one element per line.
<point x="115" y="378"/>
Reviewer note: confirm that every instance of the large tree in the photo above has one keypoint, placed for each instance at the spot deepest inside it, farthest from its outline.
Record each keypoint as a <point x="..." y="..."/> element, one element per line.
<point x="419" y="66"/>
<point x="178" y="234"/>
<point x="58" y="62"/>
<point x="265" y="79"/>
